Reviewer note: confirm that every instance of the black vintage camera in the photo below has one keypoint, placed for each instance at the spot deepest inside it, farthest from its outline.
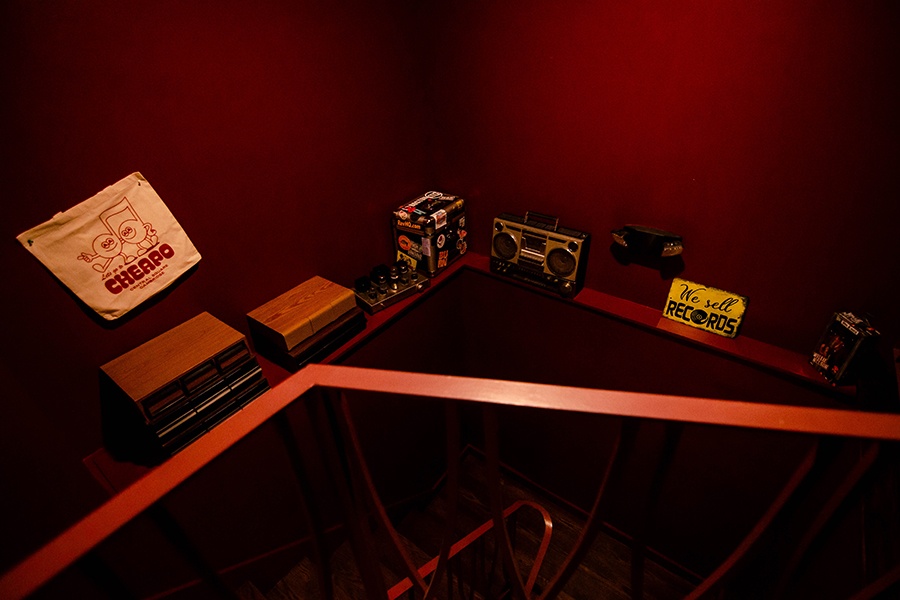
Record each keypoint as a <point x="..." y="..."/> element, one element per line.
<point x="534" y="249"/>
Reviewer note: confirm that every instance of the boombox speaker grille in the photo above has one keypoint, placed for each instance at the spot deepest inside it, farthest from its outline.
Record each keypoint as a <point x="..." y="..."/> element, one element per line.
<point x="561" y="262"/>
<point x="506" y="246"/>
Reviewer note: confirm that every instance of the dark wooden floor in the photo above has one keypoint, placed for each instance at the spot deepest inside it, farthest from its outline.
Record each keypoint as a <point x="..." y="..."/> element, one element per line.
<point x="605" y="574"/>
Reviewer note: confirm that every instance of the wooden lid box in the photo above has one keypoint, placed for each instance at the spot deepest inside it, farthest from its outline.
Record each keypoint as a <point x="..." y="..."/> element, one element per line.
<point x="305" y="323"/>
<point x="183" y="382"/>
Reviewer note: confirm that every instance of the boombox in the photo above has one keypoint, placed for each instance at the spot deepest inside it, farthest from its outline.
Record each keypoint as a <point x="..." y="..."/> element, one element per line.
<point x="536" y="250"/>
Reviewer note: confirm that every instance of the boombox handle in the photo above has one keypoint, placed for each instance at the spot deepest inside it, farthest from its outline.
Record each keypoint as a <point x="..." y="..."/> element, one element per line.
<point x="541" y="217"/>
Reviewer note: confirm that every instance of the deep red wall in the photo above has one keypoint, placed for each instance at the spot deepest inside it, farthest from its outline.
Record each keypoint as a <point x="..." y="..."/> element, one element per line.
<point x="280" y="134"/>
<point x="765" y="133"/>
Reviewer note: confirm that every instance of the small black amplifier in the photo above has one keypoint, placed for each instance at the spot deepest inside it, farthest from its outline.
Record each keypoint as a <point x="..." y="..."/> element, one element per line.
<point x="536" y="250"/>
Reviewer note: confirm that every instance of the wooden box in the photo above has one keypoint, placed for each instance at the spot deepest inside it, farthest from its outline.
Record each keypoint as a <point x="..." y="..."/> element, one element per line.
<point x="301" y="312"/>
<point x="180" y="384"/>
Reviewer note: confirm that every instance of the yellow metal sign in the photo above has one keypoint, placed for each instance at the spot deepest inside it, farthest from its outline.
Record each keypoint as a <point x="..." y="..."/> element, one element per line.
<point x="706" y="308"/>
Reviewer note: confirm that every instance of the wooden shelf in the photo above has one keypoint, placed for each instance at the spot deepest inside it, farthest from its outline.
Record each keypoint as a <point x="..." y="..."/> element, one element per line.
<point x="786" y="362"/>
<point x="114" y="476"/>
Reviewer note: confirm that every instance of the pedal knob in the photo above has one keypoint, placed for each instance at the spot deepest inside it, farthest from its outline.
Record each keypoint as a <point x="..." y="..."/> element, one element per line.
<point x="379" y="275"/>
<point x="403" y="269"/>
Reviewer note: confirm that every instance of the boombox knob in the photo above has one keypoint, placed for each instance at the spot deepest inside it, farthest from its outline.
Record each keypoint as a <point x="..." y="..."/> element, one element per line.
<point x="566" y="288"/>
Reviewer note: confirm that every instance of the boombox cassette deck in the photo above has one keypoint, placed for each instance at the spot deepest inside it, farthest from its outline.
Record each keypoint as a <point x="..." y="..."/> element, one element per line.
<point x="535" y="250"/>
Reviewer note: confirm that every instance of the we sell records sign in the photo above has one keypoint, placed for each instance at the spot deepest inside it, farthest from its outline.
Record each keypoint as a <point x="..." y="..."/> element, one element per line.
<point x="707" y="308"/>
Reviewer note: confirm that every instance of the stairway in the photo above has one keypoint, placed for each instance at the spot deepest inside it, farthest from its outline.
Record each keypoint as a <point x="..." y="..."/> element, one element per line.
<point x="604" y="574"/>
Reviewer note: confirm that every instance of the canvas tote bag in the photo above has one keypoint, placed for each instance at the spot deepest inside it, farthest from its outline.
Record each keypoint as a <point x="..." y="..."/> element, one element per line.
<point x="116" y="249"/>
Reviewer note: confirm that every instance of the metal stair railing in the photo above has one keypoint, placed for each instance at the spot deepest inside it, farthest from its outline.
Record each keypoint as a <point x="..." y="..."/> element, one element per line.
<point x="430" y="567"/>
<point x="78" y="541"/>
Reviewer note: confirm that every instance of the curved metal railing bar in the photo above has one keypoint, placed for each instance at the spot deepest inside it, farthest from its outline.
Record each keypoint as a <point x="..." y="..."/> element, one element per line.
<point x="452" y="425"/>
<point x="718" y="576"/>
<point x="495" y="495"/>
<point x="80" y="538"/>
<point x="405" y="585"/>
<point x="351" y="492"/>
<point x="846" y="486"/>
<point x="380" y="510"/>
<point x="544" y="546"/>
<point x="590" y="528"/>
<point x="438" y="567"/>
<point x="307" y="508"/>
<point x="879" y="586"/>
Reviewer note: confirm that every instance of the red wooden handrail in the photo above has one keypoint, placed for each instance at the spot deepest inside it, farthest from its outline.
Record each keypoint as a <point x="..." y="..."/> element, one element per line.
<point x="686" y="409"/>
<point x="79" y="539"/>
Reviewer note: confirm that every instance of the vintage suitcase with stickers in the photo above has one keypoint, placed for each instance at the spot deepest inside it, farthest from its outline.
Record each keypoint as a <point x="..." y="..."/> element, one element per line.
<point x="430" y="231"/>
